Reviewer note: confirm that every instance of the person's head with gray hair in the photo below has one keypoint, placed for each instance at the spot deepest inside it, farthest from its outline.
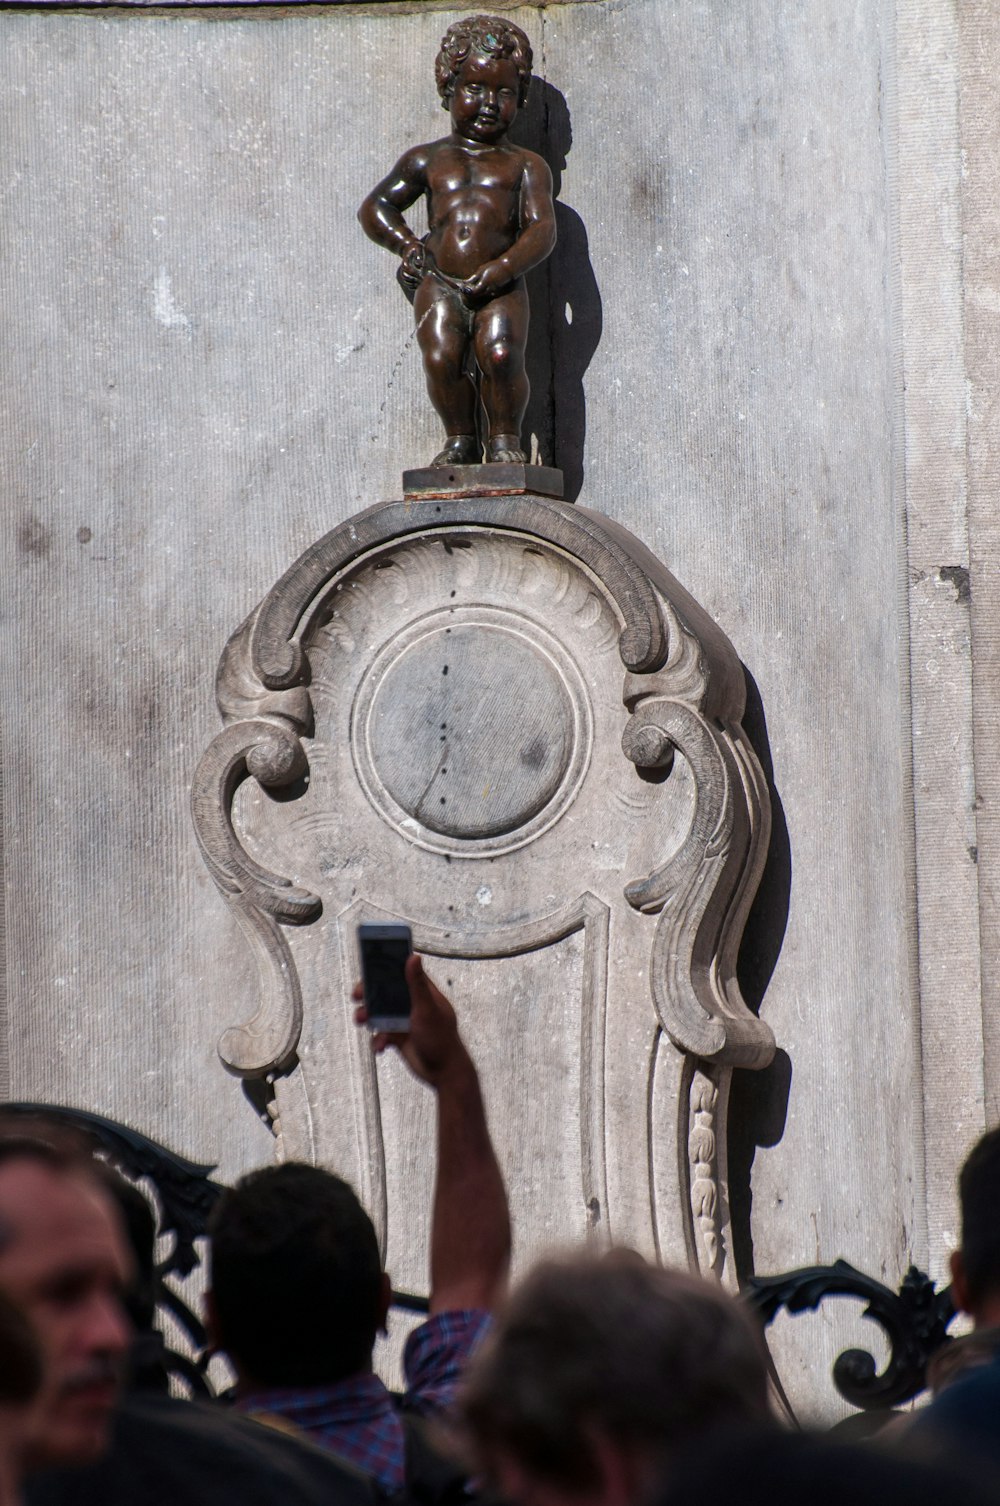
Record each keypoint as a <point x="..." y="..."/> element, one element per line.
<point x="598" y="1372"/>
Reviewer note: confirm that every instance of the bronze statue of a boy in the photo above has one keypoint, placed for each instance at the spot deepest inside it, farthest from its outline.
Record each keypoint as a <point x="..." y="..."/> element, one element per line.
<point x="491" y="219"/>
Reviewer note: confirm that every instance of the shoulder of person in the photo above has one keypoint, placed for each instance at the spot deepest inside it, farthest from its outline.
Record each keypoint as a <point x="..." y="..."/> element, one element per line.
<point x="431" y="1477"/>
<point x="165" y="1450"/>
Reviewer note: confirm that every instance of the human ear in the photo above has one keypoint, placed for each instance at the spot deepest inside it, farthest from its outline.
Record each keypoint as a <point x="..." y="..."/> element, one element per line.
<point x="959" y="1282"/>
<point x="384" y="1302"/>
<point x="213" y="1336"/>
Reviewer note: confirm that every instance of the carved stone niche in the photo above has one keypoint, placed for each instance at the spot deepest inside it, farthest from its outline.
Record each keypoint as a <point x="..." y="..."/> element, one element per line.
<point x="501" y="720"/>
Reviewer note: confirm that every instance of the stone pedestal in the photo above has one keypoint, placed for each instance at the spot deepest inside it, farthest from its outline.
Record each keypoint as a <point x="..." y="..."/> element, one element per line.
<point x="501" y="720"/>
<point x="483" y="481"/>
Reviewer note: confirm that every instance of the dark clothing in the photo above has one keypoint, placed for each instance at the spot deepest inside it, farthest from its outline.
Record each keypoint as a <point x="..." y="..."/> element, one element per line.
<point x="358" y="1418"/>
<point x="167" y="1452"/>
<point x="766" y="1466"/>
<point x="964" y="1418"/>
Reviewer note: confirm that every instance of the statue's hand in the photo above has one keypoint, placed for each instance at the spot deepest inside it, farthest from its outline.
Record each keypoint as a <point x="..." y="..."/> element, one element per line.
<point x="414" y="264"/>
<point x="490" y="278"/>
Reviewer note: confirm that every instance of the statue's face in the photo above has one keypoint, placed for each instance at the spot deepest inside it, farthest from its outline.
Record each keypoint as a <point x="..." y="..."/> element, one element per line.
<point x="484" y="100"/>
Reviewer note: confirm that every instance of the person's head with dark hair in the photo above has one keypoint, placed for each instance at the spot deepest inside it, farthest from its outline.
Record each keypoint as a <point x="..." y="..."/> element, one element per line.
<point x="64" y="1262"/>
<point x="597" y="1372"/>
<point x="297" y="1292"/>
<point x="975" y="1267"/>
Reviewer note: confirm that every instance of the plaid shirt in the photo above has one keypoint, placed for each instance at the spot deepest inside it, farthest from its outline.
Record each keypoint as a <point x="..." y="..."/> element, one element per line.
<point x="357" y="1418"/>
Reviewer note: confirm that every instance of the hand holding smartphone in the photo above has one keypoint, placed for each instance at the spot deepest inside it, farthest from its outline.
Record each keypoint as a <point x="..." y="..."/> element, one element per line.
<point x="384" y="950"/>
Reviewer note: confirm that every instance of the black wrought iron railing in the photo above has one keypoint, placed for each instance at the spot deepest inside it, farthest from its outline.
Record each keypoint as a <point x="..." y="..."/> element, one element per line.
<point x="914" y="1319"/>
<point x="182" y="1194"/>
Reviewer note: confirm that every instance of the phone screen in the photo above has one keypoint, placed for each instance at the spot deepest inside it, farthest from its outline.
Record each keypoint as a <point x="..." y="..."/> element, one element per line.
<point x="384" y="950"/>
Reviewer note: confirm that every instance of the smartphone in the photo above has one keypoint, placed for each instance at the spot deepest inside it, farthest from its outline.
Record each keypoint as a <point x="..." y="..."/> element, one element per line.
<point x="384" y="950"/>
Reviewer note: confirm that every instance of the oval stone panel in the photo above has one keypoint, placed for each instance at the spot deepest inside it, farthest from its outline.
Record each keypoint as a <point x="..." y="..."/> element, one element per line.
<point x="470" y="730"/>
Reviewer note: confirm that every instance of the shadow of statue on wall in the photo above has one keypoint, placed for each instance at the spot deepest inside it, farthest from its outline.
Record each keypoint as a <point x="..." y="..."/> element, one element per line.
<point x="758" y="1104"/>
<point x="566" y="311"/>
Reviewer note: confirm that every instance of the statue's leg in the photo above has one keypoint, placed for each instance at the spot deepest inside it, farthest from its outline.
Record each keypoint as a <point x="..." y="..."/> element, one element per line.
<point x="443" y="334"/>
<point x="501" y="334"/>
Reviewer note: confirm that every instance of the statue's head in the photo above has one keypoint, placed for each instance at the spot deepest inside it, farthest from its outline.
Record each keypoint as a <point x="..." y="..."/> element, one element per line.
<point x="482" y="37"/>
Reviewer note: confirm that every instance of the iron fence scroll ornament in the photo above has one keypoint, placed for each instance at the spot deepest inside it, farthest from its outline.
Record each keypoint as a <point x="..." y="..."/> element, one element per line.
<point x="184" y="1195"/>
<point x="915" y="1321"/>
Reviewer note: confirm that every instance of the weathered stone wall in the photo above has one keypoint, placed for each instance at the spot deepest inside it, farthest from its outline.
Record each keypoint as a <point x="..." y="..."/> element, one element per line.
<point x="766" y="364"/>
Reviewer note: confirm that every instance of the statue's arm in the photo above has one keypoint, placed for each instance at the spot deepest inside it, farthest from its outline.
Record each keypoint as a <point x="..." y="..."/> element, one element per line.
<point x="537" y="237"/>
<point x="538" y="218"/>
<point x="381" y="214"/>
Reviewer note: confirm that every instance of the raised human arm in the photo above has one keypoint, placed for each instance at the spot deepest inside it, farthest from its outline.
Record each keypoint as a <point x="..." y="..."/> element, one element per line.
<point x="381" y="214"/>
<point x="536" y="239"/>
<point x="470" y="1222"/>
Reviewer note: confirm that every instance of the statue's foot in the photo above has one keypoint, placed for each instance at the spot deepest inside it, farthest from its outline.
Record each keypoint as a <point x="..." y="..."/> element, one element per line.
<point x="461" y="449"/>
<point x="503" y="449"/>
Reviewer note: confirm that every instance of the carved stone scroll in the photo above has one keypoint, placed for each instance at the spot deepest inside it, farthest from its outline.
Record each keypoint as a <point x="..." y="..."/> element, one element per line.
<point x="501" y="720"/>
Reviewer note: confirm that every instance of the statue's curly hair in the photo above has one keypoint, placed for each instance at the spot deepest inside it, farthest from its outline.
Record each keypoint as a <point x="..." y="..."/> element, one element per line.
<point x="491" y="36"/>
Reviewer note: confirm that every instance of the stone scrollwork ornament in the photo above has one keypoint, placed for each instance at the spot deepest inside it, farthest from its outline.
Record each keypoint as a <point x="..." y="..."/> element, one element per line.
<point x="501" y="720"/>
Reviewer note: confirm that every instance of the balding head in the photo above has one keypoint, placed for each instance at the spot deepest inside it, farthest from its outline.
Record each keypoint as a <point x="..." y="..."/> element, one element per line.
<point x="63" y="1260"/>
